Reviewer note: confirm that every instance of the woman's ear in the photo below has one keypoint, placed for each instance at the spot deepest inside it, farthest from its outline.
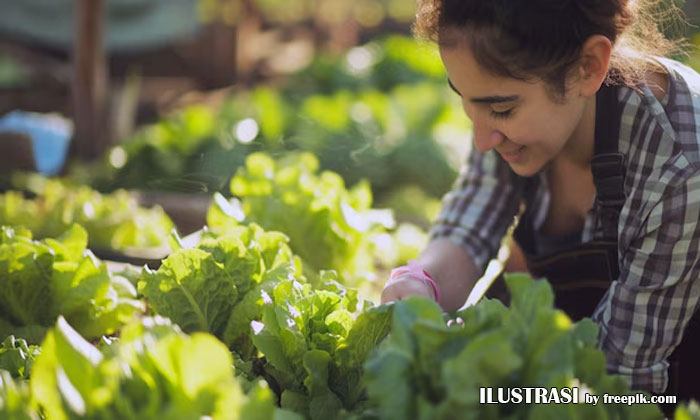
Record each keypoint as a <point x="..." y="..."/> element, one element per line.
<point x="593" y="66"/>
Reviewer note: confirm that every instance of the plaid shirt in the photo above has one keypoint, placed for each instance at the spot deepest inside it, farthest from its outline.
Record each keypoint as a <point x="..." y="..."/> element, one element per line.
<point x="643" y="314"/>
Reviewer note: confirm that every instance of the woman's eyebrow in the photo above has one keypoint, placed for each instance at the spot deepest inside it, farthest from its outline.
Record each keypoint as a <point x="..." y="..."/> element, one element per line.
<point x="494" y="99"/>
<point x="486" y="99"/>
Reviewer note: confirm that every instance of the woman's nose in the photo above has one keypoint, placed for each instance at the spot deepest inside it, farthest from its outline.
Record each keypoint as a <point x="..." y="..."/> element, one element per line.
<point x="486" y="138"/>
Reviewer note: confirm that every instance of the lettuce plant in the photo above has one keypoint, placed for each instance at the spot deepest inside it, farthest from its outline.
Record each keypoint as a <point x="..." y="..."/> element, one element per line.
<point x="433" y="369"/>
<point x="40" y="280"/>
<point x="113" y="221"/>
<point x="328" y="226"/>
<point x="218" y="286"/>
<point x="153" y="371"/>
<point x="17" y="357"/>
<point x="15" y="400"/>
<point x="315" y="342"/>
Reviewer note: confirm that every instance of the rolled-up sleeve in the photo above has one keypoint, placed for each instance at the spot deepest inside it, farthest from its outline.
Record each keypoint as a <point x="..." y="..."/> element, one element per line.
<point x="644" y="313"/>
<point x="480" y="207"/>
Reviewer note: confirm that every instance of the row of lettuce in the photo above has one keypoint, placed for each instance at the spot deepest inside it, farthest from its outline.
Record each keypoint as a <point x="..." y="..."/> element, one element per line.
<point x="330" y="226"/>
<point x="231" y="328"/>
<point x="247" y="319"/>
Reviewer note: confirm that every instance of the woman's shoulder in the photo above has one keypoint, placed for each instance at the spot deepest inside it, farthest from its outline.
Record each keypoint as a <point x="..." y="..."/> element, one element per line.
<point x="667" y="82"/>
<point x="666" y="106"/>
<point x="673" y="83"/>
<point x="658" y="84"/>
<point x="680" y="72"/>
<point x="660" y="130"/>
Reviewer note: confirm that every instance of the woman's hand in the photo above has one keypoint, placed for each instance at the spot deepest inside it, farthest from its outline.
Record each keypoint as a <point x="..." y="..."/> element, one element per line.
<point x="403" y="286"/>
<point x="452" y="272"/>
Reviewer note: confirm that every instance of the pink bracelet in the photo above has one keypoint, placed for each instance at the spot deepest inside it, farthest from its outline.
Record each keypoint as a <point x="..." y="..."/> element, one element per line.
<point x="415" y="270"/>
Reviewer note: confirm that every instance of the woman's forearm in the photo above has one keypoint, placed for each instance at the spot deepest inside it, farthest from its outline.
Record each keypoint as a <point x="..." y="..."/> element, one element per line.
<point x="452" y="269"/>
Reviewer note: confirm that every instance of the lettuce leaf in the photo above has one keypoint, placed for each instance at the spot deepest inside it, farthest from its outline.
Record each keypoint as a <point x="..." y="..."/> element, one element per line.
<point x="328" y="225"/>
<point x="114" y="221"/>
<point x="40" y="280"/>
<point x="17" y="357"/>
<point x="153" y="372"/>
<point x="315" y="343"/>
<point x="219" y="285"/>
<point x="15" y="399"/>
<point x="192" y="289"/>
<point x="26" y="270"/>
<point x="432" y="369"/>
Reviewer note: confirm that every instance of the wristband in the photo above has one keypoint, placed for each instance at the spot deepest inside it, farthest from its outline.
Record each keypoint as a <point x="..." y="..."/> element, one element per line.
<point x="415" y="270"/>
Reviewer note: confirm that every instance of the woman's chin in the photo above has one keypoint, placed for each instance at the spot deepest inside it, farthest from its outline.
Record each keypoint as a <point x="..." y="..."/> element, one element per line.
<point x="526" y="169"/>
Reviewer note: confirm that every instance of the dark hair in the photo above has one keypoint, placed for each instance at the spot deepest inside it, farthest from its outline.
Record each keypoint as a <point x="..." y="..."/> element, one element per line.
<point x="523" y="39"/>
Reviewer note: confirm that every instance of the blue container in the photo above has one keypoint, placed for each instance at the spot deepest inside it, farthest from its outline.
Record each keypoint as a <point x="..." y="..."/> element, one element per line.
<point x="50" y="135"/>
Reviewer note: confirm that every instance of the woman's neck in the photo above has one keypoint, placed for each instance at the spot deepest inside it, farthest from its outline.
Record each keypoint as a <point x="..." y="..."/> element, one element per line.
<point x="581" y="145"/>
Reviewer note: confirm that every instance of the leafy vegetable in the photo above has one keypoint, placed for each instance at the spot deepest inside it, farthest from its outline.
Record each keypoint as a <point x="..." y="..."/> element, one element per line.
<point x="41" y="279"/>
<point x="689" y="411"/>
<point x="15" y="400"/>
<point x="329" y="227"/>
<point x="430" y="369"/>
<point x="315" y="343"/>
<point x="218" y="286"/>
<point x="113" y="221"/>
<point x="153" y="372"/>
<point x="17" y="357"/>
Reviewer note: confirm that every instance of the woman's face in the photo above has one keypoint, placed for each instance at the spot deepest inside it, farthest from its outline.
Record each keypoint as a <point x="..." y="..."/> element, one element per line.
<point x="519" y="119"/>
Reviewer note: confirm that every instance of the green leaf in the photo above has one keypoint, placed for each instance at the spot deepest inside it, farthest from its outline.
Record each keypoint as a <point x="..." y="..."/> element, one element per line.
<point x="34" y="334"/>
<point x="71" y="245"/>
<point x="528" y="295"/>
<point x="242" y="263"/>
<point x="294" y="401"/>
<point x="237" y="334"/>
<point x="278" y="338"/>
<point x="326" y="223"/>
<point x="390" y="383"/>
<point x="15" y="399"/>
<point x="65" y="375"/>
<point x="25" y="280"/>
<point x="153" y="372"/>
<point x="17" y="357"/>
<point x="323" y="403"/>
<point x="406" y="313"/>
<point x="430" y="368"/>
<point x="368" y="330"/>
<point x="192" y="289"/>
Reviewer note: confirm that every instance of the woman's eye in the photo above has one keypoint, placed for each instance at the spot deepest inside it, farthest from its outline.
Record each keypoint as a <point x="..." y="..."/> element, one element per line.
<point x="502" y="114"/>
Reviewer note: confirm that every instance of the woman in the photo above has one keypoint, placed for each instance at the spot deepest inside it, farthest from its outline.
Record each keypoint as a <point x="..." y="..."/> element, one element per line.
<point x="576" y="120"/>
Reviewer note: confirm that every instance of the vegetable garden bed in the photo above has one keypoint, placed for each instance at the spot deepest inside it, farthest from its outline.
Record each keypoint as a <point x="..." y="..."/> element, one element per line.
<point x="234" y="324"/>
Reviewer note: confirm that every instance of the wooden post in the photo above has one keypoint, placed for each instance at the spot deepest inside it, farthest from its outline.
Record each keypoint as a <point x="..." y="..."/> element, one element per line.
<point x="89" y="80"/>
<point x="247" y="29"/>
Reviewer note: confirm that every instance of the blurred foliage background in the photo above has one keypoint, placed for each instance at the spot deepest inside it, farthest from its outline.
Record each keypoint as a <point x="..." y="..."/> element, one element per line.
<point x="195" y="86"/>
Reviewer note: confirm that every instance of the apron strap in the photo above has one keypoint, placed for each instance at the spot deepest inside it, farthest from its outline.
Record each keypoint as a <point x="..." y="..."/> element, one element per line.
<point x="608" y="165"/>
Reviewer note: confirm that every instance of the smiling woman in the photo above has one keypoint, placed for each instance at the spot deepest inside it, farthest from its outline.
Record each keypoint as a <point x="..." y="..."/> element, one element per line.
<point x="579" y="120"/>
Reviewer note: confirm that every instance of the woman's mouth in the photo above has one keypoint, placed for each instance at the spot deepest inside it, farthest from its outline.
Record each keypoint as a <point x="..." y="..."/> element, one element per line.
<point x="511" y="155"/>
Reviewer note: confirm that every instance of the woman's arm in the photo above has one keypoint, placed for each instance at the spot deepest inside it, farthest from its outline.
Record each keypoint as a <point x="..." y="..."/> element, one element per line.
<point x="643" y="316"/>
<point x="449" y="265"/>
<point x="467" y="233"/>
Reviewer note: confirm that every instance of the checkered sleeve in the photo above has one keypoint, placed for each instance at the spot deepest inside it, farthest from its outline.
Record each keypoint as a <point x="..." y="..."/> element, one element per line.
<point x="644" y="313"/>
<point x="481" y="205"/>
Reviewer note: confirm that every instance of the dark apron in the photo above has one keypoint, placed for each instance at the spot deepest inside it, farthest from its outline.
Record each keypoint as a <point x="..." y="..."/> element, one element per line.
<point x="581" y="274"/>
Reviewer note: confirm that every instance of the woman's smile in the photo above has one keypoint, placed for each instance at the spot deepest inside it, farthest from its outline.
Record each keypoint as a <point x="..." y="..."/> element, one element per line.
<point x="511" y="154"/>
